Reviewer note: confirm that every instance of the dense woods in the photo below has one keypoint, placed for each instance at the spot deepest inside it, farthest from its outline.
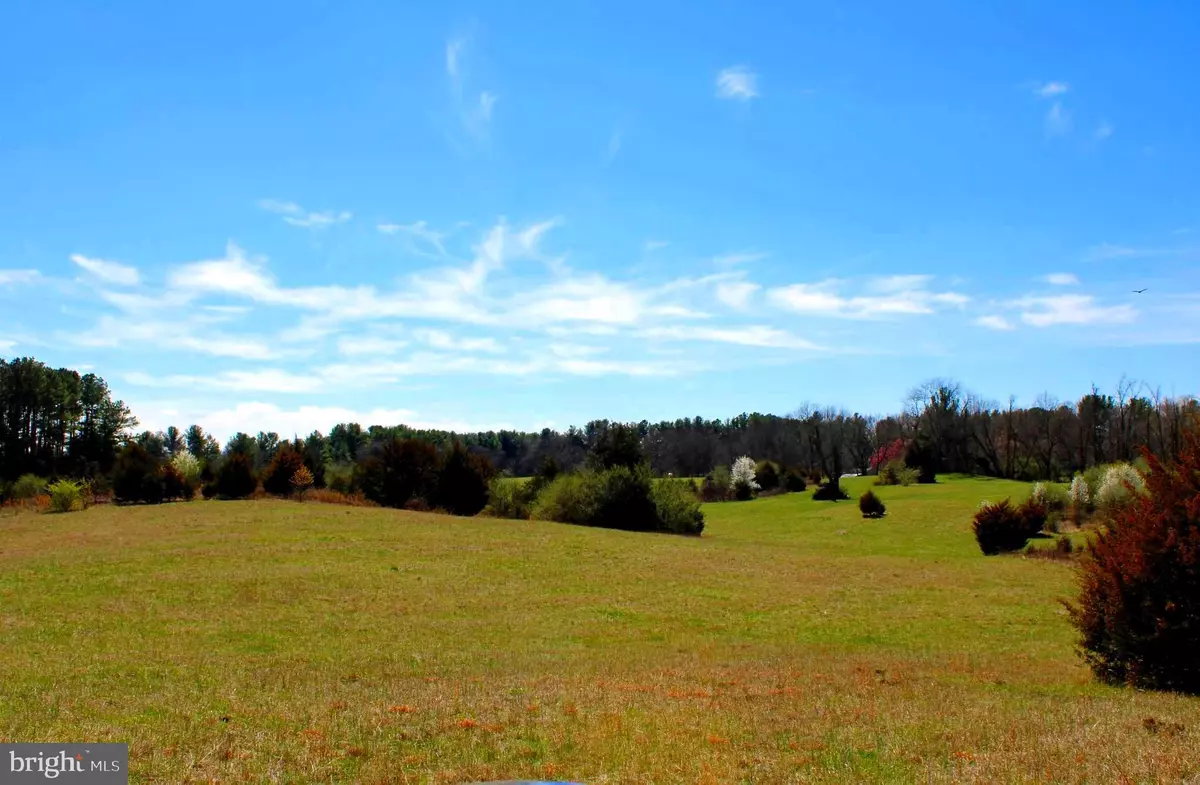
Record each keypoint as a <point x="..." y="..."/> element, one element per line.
<point x="56" y="422"/>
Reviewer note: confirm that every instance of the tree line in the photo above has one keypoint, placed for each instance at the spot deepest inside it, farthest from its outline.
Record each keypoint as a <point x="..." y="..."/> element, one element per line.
<point x="56" y="422"/>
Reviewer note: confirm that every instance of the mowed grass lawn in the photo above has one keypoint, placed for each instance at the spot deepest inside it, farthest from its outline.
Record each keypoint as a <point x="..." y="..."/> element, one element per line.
<point x="793" y="642"/>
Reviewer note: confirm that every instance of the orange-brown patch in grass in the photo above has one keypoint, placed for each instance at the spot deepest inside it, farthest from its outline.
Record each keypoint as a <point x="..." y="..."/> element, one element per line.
<point x="468" y="723"/>
<point x="401" y="709"/>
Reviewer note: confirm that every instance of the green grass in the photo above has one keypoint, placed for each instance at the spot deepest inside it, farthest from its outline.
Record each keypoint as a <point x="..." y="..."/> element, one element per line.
<point x="793" y="642"/>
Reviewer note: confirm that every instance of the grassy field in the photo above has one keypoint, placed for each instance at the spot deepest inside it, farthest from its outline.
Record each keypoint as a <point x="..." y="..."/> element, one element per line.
<point x="793" y="642"/>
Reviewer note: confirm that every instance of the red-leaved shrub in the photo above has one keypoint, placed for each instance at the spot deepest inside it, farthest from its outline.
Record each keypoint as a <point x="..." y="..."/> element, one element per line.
<point x="1138" y="612"/>
<point x="1033" y="516"/>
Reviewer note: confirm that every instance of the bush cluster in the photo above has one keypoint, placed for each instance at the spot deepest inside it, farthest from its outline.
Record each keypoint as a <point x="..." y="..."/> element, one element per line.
<point x="277" y="476"/>
<point x="793" y="481"/>
<point x="895" y="472"/>
<point x="1003" y="527"/>
<point x="137" y="477"/>
<point x="408" y="473"/>
<point x="747" y="479"/>
<point x="620" y="498"/>
<point x="1138" y="612"/>
<point x="871" y="506"/>
<point x="830" y="492"/>
<point x="1000" y="528"/>
<point x="235" y="478"/>
<point x="27" y="486"/>
<point x="767" y="476"/>
<point x="717" y="485"/>
<point x="68" y="495"/>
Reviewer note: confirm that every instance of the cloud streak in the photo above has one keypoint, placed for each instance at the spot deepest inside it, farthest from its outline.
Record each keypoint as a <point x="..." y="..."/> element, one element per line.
<point x="737" y="83"/>
<point x="892" y="296"/>
<point x="108" y="272"/>
<point x="295" y="215"/>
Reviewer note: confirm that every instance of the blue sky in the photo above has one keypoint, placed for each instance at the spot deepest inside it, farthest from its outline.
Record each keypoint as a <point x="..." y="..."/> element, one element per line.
<point x="282" y="215"/>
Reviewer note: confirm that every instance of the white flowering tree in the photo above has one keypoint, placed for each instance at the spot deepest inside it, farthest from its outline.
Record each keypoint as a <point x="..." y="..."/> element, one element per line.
<point x="1114" y="489"/>
<point x="187" y="465"/>
<point x="742" y="475"/>
<point x="1080" y="494"/>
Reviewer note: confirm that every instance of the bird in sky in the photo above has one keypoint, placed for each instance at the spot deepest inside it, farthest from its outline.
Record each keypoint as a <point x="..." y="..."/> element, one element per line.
<point x="1138" y="291"/>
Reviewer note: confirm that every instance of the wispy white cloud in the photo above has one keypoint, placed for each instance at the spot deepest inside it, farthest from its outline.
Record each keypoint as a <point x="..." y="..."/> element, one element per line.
<point x="1051" y="89"/>
<point x="11" y="277"/>
<point x="109" y="272"/>
<point x="440" y="339"/>
<point x="1110" y="251"/>
<point x="1072" y="309"/>
<point x="994" y="322"/>
<point x="296" y="215"/>
<point x="369" y="345"/>
<point x="123" y="333"/>
<point x="6" y="344"/>
<point x="452" y="48"/>
<point x="654" y="245"/>
<point x="1103" y="131"/>
<point x="265" y="380"/>
<point x="1058" y="120"/>
<point x="737" y="83"/>
<point x="418" y="230"/>
<point x="728" y="260"/>
<point x="1062" y="279"/>
<point x="742" y="335"/>
<point x="736" y="294"/>
<point x="474" y="110"/>
<point x="890" y="296"/>
<point x="486" y="102"/>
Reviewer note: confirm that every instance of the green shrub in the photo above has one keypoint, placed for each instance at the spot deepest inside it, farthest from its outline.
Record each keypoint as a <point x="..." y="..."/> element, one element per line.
<point x="717" y="485"/>
<point x="398" y="470"/>
<point x="462" y="481"/>
<point x="137" y="477"/>
<point x="27" y="486"/>
<point x="871" y="506"/>
<point x="620" y="498"/>
<point x="624" y="499"/>
<point x="897" y="473"/>
<point x="677" y="508"/>
<point x="1000" y="528"/>
<point x="509" y="499"/>
<point x="236" y="479"/>
<point x="793" y="481"/>
<point x="339" y="477"/>
<point x="67" y="495"/>
<point x="570" y="498"/>
<point x="767" y="476"/>
<point x="830" y="492"/>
